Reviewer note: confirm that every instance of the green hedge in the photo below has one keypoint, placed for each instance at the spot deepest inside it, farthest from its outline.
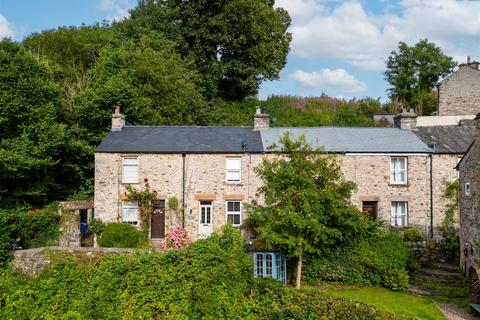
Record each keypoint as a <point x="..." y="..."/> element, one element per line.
<point x="380" y="260"/>
<point x="35" y="228"/>
<point x="208" y="279"/>
<point x="121" y="235"/>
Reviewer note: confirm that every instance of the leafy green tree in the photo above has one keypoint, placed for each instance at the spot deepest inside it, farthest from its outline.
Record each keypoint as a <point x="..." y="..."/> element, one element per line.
<point x="413" y="72"/>
<point x="234" y="44"/>
<point x="32" y="143"/>
<point x="148" y="79"/>
<point x="307" y="203"/>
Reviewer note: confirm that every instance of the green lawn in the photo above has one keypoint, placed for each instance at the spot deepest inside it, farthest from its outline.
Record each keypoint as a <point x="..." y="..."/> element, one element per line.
<point x="400" y="303"/>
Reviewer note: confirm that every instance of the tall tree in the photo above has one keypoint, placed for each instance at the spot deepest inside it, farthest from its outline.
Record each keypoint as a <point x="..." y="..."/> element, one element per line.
<point x="148" y="79"/>
<point x="235" y="44"/>
<point x="32" y="142"/>
<point x="307" y="203"/>
<point x="413" y="72"/>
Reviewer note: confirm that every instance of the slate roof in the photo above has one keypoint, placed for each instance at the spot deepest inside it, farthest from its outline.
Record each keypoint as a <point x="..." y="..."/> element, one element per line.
<point x="352" y="139"/>
<point x="449" y="139"/>
<point x="170" y="139"/>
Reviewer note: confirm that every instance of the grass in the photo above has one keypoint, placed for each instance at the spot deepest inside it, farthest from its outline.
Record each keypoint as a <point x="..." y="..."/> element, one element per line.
<point x="399" y="303"/>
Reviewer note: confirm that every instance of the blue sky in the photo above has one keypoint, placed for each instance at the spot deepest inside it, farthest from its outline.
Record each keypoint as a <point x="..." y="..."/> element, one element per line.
<point x="338" y="47"/>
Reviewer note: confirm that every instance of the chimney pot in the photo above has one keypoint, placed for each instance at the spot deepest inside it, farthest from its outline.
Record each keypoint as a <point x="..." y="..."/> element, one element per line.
<point x="406" y="120"/>
<point x="468" y="59"/>
<point x="118" y="119"/>
<point x="261" y="120"/>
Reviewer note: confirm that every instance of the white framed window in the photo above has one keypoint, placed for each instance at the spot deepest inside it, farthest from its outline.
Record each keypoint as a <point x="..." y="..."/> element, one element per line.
<point x="398" y="170"/>
<point x="399" y="216"/>
<point x="130" y="212"/>
<point x="206" y="212"/>
<point x="233" y="173"/>
<point x="466" y="189"/>
<point x="234" y="212"/>
<point x="130" y="170"/>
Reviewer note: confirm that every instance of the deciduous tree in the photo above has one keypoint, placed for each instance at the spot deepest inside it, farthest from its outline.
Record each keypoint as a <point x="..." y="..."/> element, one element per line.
<point x="307" y="203"/>
<point x="413" y="72"/>
<point x="235" y="44"/>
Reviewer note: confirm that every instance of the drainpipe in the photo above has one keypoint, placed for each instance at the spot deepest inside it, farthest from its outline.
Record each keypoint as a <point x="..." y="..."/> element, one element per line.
<point x="431" y="196"/>
<point x="183" y="190"/>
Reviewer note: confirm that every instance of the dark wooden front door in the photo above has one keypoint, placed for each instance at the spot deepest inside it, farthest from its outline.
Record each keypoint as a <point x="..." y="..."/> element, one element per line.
<point x="370" y="208"/>
<point x="157" y="225"/>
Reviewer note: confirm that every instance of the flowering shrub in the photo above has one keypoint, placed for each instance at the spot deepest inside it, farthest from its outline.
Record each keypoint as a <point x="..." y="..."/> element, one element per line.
<point x="176" y="238"/>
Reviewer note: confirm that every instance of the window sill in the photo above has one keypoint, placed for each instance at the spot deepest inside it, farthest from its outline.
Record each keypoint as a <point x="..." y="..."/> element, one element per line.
<point x="392" y="184"/>
<point x="124" y="182"/>
<point x="396" y="228"/>
<point x="231" y="183"/>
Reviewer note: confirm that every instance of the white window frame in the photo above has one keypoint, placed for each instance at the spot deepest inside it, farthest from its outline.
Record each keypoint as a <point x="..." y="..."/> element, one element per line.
<point x="126" y="164"/>
<point x="395" y="217"/>
<point x="230" y="172"/>
<point x="130" y="206"/>
<point x="231" y="213"/>
<point x="206" y="206"/>
<point x="466" y="189"/>
<point x="397" y="171"/>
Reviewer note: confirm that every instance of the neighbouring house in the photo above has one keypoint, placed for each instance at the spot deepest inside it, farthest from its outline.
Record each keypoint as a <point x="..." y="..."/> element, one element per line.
<point x="209" y="172"/>
<point x="459" y="93"/>
<point x="469" y="196"/>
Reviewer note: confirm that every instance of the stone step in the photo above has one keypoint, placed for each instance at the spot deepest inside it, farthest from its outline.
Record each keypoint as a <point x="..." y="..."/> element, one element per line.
<point x="157" y="244"/>
<point x="445" y="267"/>
<point x="451" y="281"/>
<point x="440" y="273"/>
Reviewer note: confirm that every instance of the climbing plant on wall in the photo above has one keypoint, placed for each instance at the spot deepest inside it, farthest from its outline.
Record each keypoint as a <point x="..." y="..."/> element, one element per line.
<point x="145" y="199"/>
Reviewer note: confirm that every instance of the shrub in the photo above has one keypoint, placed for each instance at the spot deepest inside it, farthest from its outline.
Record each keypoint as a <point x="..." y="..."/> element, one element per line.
<point x="368" y="262"/>
<point x="208" y="279"/>
<point x="413" y="235"/>
<point x="35" y="228"/>
<point x="121" y="235"/>
<point x="176" y="238"/>
<point x="396" y="279"/>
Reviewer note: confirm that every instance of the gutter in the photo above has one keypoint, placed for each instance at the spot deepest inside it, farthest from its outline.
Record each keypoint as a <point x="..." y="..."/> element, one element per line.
<point x="431" y="195"/>
<point x="183" y="190"/>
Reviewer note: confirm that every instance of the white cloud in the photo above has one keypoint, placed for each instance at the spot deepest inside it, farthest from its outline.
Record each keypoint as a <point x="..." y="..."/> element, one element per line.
<point x="336" y="81"/>
<point x="6" y="29"/>
<point x="349" y="33"/>
<point x="118" y="8"/>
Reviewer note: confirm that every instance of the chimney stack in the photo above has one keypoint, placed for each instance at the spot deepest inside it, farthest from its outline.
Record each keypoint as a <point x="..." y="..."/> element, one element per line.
<point x="261" y="121"/>
<point x="118" y="119"/>
<point x="406" y="120"/>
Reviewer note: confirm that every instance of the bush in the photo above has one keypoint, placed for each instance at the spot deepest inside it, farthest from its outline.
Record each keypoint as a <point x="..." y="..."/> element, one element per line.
<point x="34" y="228"/>
<point x="121" y="235"/>
<point x="208" y="279"/>
<point x="413" y="235"/>
<point x="368" y="262"/>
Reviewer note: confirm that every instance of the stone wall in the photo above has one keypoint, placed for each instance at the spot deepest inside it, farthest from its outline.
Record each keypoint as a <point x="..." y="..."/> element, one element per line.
<point x="470" y="209"/>
<point x="372" y="175"/>
<point x="459" y="94"/>
<point x="205" y="180"/>
<point x="32" y="261"/>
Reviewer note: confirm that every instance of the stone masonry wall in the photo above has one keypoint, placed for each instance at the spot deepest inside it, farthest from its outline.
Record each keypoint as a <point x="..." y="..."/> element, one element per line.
<point x="372" y="176"/>
<point x="444" y="173"/>
<point x="470" y="210"/>
<point x="459" y="94"/>
<point x="205" y="180"/>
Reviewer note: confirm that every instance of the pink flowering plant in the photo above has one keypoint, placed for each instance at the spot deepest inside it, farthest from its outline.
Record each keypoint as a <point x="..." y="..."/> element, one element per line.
<point x="176" y="238"/>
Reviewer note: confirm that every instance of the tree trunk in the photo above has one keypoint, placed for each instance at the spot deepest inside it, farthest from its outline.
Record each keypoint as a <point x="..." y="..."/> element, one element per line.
<point x="299" y="271"/>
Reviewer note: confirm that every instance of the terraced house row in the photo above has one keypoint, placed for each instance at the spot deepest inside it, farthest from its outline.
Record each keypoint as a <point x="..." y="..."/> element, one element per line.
<point x="401" y="172"/>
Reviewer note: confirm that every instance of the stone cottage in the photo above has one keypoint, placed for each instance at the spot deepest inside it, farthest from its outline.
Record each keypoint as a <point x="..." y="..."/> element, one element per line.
<point x="208" y="172"/>
<point x="459" y="93"/>
<point x="469" y="168"/>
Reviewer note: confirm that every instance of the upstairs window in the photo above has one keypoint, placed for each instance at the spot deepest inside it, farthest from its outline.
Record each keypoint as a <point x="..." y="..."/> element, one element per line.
<point x="130" y="212"/>
<point x="233" y="170"/>
<point x="399" y="216"/>
<point x="130" y="170"/>
<point x="398" y="170"/>
<point x="234" y="213"/>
